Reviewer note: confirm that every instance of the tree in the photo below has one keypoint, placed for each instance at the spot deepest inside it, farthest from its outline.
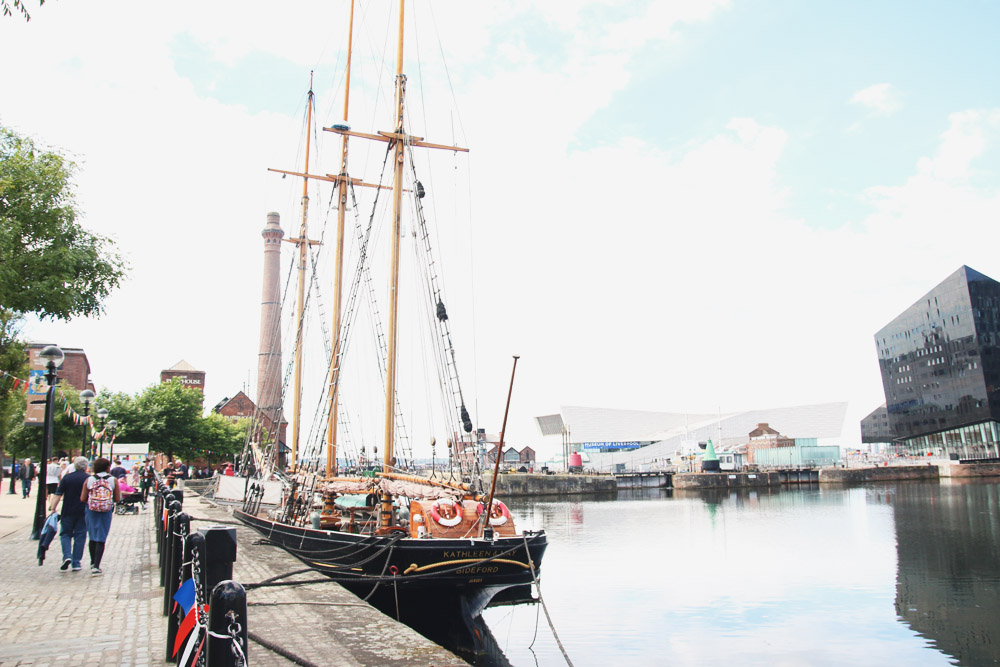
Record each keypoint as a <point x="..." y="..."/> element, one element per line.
<point x="169" y="417"/>
<point x="19" y="5"/>
<point x="49" y="265"/>
<point x="221" y="437"/>
<point x="14" y="362"/>
<point x="25" y="440"/>
<point x="165" y="415"/>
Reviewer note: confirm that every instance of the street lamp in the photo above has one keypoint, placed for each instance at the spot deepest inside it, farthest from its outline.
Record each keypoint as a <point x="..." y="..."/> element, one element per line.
<point x="53" y="357"/>
<point x="112" y="425"/>
<point x="86" y="396"/>
<point x="102" y="414"/>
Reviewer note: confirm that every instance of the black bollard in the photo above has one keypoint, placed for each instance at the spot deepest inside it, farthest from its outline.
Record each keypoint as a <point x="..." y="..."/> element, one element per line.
<point x="220" y="554"/>
<point x="195" y="545"/>
<point x="180" y="524"/>
<point x="158" y="520"/>
<point x="227" y="623"/>
<point x="175" y="576"/>
<point x="173" y="509"/>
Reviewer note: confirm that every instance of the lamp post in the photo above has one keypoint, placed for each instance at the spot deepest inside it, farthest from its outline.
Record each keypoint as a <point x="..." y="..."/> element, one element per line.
<point x="53" y="357"/>
<point x="113" y="425"/>
<point x="102" y="414"/>
<point x="86" y="396"/>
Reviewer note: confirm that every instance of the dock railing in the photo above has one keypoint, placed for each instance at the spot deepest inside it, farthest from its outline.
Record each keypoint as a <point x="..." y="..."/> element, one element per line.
<point x="206" y="609"/>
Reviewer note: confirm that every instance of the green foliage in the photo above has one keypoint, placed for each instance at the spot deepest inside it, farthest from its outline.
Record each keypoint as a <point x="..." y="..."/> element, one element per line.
<point x="49" y="265"/>
<point x="14" y="362"/>
<point x="223" y="436"/>
<point x="19" y="5"/>
<point x="169" y="417"/>
<point x="25" y="440"/>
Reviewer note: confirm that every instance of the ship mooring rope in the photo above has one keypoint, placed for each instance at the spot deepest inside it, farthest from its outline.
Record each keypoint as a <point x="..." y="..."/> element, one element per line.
<point x="548" y="618"/>
<point x="283" y="652"/>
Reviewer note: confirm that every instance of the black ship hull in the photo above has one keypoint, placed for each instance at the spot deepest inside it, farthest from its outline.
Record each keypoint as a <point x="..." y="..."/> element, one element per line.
<point x="409" y="578"/>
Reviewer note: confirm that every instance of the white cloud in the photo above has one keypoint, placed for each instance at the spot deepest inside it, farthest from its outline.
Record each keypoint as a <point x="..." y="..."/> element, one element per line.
<point x="627" y="274"/>
<point x="881" y="99"/>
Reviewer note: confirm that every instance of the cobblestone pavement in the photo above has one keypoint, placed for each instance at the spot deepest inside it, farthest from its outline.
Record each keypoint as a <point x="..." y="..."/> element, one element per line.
<point x="49" y="617"/>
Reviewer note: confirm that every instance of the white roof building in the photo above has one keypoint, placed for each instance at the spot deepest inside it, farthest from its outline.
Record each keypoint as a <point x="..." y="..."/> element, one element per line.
<point x="638" y="438"/>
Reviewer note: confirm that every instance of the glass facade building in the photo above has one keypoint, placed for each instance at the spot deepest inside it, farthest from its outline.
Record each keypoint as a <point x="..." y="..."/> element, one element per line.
<point x="875" y="427"/>
<point x="940" y="364"/>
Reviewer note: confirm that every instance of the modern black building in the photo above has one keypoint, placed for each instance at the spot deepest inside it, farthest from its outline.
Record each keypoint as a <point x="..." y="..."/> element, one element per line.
<point x="940" y="363"/>
<point x="875" y="427"/>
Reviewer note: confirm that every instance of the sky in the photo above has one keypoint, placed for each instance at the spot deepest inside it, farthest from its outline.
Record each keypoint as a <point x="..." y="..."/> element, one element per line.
<point x="671" y="206"/>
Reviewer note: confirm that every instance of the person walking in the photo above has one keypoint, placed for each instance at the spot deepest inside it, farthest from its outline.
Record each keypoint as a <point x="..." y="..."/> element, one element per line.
<point x="100" y="493"/>
<point x="145" y="479"/>
<point x="52" y="475"/>
<point x="73" y="520"/>
<point x="27" y="474"/>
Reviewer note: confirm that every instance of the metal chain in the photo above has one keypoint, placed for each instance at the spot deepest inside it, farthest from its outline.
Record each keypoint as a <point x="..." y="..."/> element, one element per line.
<point x="199" y="599"/>
<point x="183" y="534"/>
<point x="234" y="634"/>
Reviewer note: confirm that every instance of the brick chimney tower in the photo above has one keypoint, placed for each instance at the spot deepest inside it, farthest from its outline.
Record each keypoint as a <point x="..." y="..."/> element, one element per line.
<point x="269" y="375"/>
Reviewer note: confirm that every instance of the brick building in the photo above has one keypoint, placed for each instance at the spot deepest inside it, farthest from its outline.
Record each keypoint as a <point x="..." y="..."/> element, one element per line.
<point x="188" y="374"/>
<point x="75" y="372"/>
<point x="765" y="437"/>
<point x="242" y="406"/>
<point x="513" y="458"/>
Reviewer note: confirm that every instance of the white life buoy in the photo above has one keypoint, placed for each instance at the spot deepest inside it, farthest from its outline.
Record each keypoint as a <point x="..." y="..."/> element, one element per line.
<point x="499" y="516"/>
<point x="444" y="521"/>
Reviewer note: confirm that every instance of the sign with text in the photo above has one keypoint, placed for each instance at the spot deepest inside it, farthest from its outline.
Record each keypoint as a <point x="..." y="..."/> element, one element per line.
<point x="592" y="446"/>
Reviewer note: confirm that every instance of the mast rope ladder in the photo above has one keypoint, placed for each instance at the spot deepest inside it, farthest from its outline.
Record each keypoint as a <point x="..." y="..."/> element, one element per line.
<point x="444" y="348"/>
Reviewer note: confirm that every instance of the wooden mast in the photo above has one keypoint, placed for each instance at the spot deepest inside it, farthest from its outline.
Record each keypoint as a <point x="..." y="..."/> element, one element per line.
<point x="397" y="199"/>
<point x="331" y="430"/>
<point x="302" y="242"/>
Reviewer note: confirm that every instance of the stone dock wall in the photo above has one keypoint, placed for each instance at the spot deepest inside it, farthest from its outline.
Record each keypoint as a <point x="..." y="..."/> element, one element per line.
<point x="513" y="485"/>
<point x="714" y="480"/>
<point x="884" y="474"/>
<point x="970" y="470"/>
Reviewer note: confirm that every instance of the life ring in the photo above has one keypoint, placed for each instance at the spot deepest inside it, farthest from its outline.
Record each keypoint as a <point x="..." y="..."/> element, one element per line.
<point x="448" y="523"/>
<point x="496" y="520"/>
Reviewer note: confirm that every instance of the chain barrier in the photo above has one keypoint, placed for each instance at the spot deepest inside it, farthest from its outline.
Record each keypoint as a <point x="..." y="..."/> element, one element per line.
<point x="199" y="597"/>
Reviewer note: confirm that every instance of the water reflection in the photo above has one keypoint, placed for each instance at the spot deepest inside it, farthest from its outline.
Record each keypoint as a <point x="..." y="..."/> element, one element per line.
<point x="948" y="585"/>
<point x="809" y="575"/>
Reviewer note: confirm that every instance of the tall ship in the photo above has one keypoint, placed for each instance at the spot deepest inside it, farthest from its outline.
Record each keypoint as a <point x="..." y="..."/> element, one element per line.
<point x="419" y="545"/>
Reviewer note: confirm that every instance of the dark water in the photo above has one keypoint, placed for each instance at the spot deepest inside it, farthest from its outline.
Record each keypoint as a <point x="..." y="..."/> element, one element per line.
<point x="893" y="574"/>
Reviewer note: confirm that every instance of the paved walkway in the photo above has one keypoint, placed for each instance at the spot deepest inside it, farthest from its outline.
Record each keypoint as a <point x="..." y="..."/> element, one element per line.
<point x="49" y="617"/>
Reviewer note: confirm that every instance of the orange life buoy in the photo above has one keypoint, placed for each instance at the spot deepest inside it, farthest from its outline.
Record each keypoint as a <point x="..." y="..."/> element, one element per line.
<point x="445" y="521"/>
<point x="499" y="515"/>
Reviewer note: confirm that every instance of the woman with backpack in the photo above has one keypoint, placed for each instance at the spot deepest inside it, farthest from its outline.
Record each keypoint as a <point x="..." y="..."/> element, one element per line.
<point x="100" y="493"/>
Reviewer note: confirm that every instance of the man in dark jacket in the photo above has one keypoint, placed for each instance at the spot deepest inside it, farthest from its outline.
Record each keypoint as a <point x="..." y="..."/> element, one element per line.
<point x="27" y="474"/>
<point x="73" y="533"/>
<point x="118" y="471"/>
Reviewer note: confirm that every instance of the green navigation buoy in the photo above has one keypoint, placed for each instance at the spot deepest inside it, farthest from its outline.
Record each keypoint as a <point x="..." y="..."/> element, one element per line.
<point x="710" y="461"/>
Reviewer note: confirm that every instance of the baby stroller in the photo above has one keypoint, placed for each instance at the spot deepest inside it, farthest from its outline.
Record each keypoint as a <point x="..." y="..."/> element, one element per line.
<point x="130" y="502"/>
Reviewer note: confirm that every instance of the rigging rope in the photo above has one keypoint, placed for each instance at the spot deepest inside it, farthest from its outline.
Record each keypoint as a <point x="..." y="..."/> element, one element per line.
<point x="538" y="587"/>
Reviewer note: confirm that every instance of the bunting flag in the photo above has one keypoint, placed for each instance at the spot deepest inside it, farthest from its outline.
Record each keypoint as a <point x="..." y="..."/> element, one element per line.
<point x="190" y="646"/>
<point x="185" y="597"/>
<point x="24" y="385"/>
